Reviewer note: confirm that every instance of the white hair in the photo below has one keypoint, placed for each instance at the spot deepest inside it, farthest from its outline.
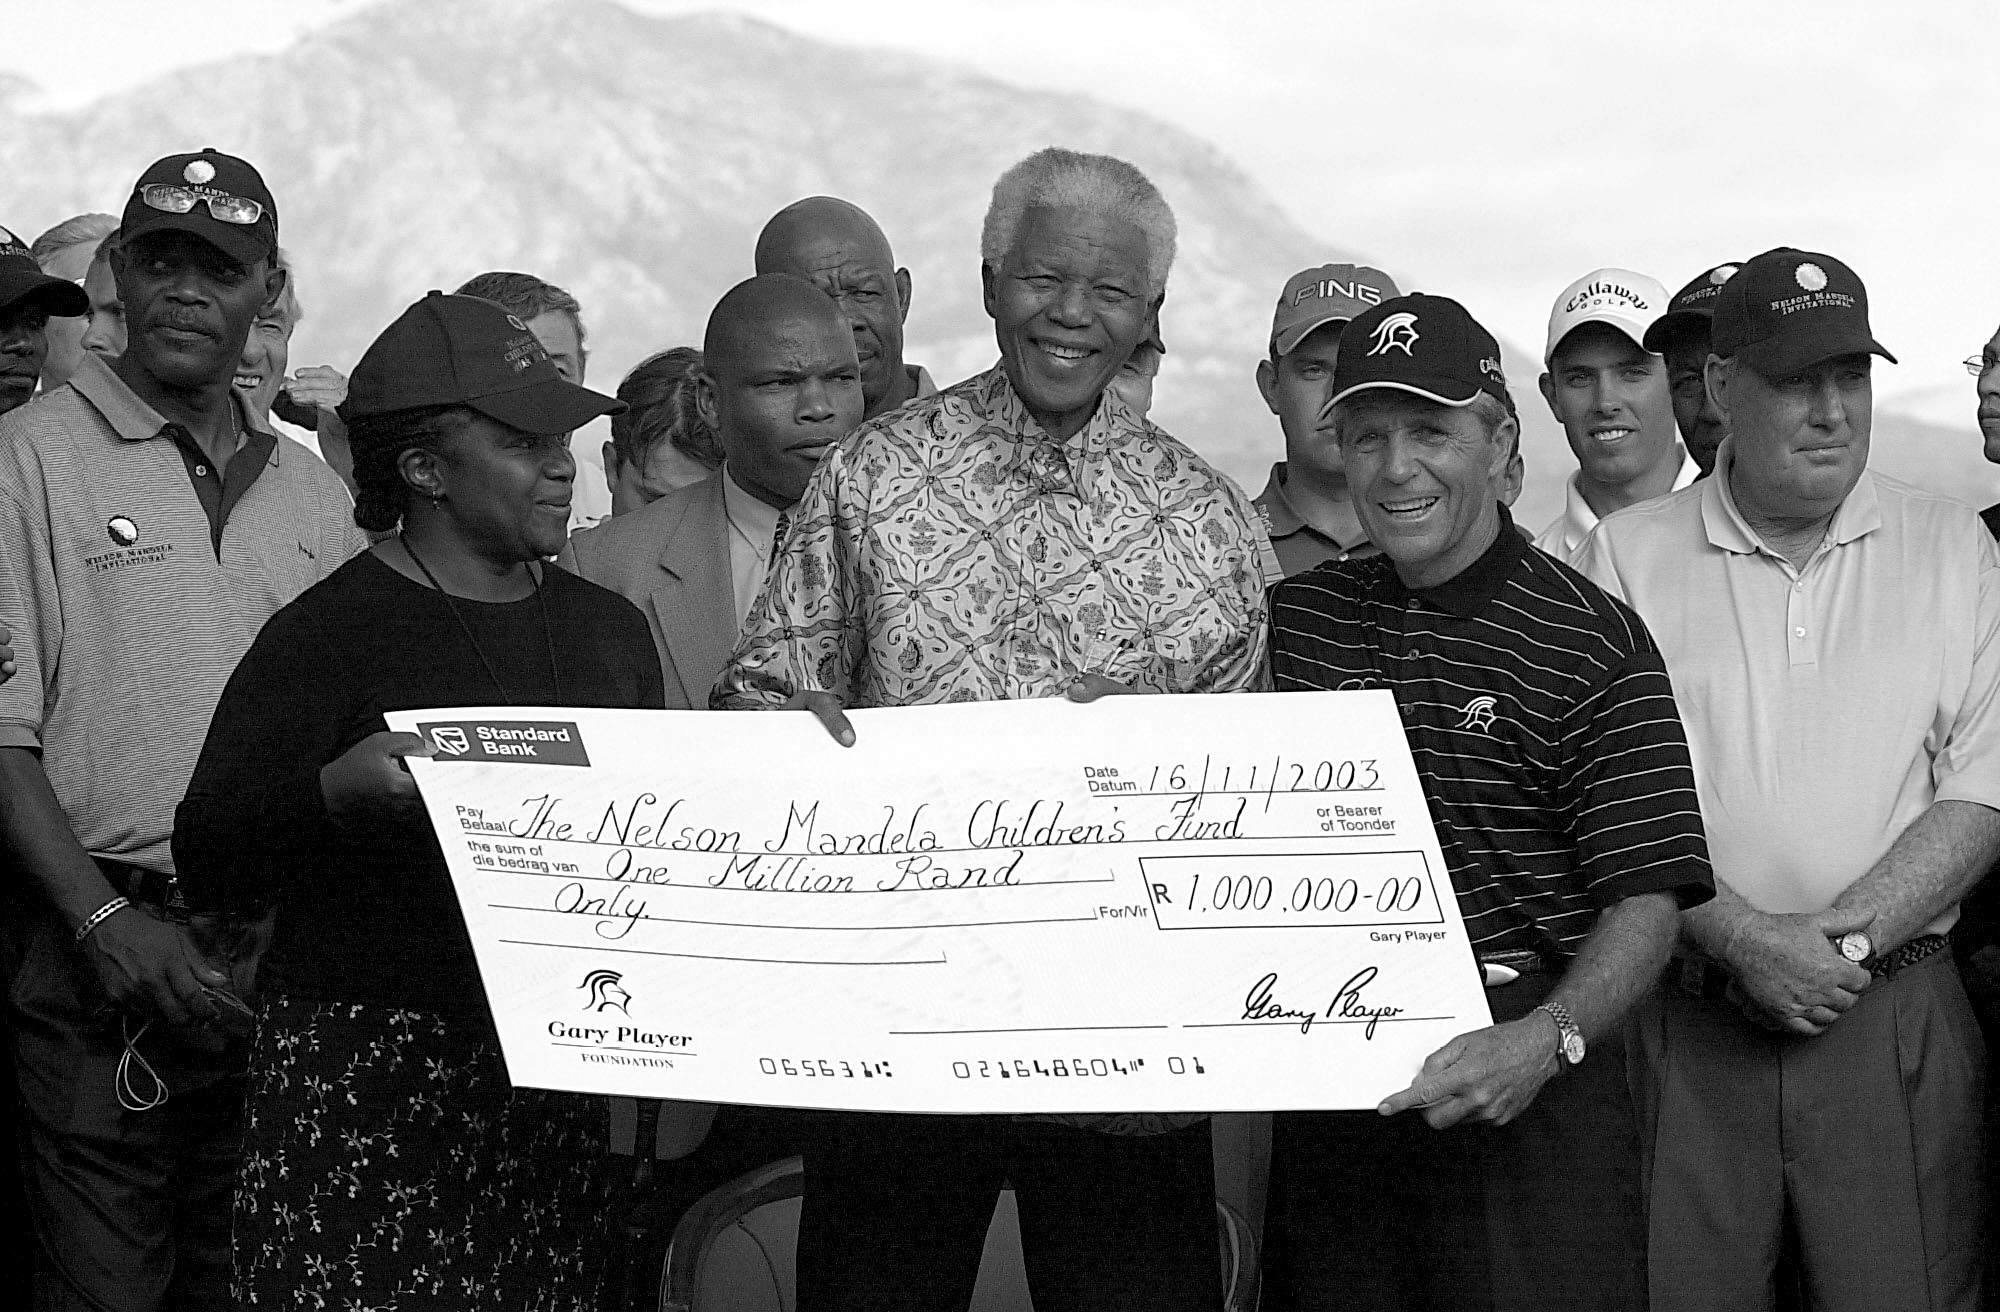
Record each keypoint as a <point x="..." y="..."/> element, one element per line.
<point x="1054" y="178"/>
<point x="1488" y="409"/>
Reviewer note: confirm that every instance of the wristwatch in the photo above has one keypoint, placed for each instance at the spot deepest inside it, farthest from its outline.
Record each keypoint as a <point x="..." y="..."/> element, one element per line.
<point x="1569" y="1039"/>
<point x="1856" y="946"/>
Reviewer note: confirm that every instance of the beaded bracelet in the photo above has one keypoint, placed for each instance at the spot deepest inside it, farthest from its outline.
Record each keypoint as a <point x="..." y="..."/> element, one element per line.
<point x="99" y="916"/>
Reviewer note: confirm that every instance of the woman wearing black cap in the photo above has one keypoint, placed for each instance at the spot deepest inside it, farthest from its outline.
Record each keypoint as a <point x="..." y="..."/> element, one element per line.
<point x="386" y="1159"/>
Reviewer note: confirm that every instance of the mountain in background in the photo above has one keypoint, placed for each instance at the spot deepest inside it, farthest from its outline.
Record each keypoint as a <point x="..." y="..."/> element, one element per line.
<point x="632" y="160"/>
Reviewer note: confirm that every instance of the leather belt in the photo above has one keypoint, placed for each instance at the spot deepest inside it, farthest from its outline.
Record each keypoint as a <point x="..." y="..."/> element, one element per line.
<point x="154" y="888"/>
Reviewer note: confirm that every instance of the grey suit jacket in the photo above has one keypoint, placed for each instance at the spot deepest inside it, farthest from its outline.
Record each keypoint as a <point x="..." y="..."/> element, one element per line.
<point x="671" y="560"/>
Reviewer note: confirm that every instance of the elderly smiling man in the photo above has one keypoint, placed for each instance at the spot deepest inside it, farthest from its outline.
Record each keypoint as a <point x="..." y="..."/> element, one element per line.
<point x="1812" y="1066"/>
<point x="1022" y="534"/>
<point x="1544" y="732"/>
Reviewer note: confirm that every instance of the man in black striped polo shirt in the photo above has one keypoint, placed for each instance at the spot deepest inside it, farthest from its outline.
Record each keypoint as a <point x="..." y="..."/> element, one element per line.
<point x="1544" y="730"/>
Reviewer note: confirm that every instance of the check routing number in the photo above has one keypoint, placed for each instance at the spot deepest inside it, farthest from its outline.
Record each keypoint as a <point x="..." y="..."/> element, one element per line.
<point x="1223" y="903"/>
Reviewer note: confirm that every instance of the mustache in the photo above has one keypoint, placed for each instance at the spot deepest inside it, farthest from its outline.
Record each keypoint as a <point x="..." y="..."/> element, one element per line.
<point x="186" y="320"/>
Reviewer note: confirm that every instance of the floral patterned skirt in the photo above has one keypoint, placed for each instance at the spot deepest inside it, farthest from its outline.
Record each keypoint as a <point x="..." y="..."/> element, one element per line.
<point x="388" y="1164"/>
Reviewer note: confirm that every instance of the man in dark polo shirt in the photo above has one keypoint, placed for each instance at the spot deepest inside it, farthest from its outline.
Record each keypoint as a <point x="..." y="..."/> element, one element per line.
<point x="150" y="523"/>
<point x="1306" y="506"/>
<point x="1544" y="731"/>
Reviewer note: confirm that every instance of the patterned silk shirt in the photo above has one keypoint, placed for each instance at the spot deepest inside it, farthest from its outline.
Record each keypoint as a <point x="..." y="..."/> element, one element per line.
<point x="952" y="551"/>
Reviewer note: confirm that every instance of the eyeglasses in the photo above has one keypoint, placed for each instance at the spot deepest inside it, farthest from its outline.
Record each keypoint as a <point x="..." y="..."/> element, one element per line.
<point x="221" y="205"/>
<point x="1980" y="365"/>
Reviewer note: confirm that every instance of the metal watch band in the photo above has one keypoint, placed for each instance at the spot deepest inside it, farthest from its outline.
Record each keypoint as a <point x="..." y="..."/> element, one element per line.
<point x="1569" y="1039"/>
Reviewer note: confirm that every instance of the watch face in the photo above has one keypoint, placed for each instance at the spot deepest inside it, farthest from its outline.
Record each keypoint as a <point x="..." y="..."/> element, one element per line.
<point x="1573" y="1048"/>
<point x="1856" y="946"/>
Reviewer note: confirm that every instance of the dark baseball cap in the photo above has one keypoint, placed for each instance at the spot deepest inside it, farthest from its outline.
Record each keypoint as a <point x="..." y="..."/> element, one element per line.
<point x="21" y="279"/>
<point x="1693" y="306"/>
<point x="1331" y="293"/>
<point x="217" y="197"/>
<point x="1426" y="345"/>
<point x="462" y="350"/>
<point x="1787" y="310"/>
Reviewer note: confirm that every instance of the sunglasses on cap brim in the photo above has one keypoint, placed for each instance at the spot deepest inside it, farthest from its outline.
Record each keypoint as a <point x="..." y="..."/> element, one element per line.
<point x="221" y="205"/>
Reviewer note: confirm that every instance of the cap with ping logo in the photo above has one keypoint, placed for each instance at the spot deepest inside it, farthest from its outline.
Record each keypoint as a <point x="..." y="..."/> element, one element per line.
<point x="1331" y="293"/>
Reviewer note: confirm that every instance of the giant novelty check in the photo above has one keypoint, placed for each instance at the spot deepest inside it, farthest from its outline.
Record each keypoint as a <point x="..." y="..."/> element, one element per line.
<point x="1142" y="904"/>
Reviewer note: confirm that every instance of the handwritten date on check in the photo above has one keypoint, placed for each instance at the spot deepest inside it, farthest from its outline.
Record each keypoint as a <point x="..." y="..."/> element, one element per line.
<point x="1140" y="904"/>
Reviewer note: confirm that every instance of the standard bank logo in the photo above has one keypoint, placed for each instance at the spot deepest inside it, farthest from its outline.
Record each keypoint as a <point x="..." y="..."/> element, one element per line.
<point x="1398" y="332"/>
<point x="519" y="742"/>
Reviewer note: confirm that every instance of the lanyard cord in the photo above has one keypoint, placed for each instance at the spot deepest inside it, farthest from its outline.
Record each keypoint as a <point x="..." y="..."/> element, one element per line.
<point x="541" y="608"/>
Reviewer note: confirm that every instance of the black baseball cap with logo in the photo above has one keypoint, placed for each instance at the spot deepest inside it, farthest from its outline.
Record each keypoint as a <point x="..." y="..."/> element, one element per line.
<point x="1788" y="310"/>
<point x="1425" y="345"/>
<point x="1692" y="307"/>
<point x="217" y="197"/>
<point x="462" y="350"/>
<point x="21" y="279"/>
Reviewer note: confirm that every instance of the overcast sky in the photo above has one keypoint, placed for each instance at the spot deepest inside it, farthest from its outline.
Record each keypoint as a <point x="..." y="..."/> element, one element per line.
<point x="1487" y="151"/>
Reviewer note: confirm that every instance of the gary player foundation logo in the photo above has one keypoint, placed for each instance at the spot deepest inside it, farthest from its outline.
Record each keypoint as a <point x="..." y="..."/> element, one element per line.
<point x="605" y="992"/>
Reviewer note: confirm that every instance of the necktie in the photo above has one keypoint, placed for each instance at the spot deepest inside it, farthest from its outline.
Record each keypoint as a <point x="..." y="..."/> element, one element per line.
<point x="778" y="538"/>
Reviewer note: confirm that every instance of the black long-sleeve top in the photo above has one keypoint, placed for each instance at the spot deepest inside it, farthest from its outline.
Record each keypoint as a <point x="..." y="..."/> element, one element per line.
<point x="367" y="914"/>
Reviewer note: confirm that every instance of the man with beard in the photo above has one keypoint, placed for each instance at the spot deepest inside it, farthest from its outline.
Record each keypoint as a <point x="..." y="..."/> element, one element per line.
<point x="839" y="249"/>
<point x="28" y="299"/>
<point x="151" y="524"/>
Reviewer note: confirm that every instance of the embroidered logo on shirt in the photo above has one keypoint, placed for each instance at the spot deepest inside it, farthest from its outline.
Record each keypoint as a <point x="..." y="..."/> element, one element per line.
<point x="1478" y="713"/>
<point x="122" y="531"/>
<point x="1398" y="332"/>
<point x="606" y="993"/>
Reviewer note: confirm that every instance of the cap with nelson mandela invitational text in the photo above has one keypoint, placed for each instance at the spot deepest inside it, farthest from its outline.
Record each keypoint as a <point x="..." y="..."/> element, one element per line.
<point x="1788" y="310"/>
<point x="216" y="197"/>
<point x="1332" y="293"/>
<point x="1692" y="307"/>
<point x="1425" y="345"/>
<point x="462" y="350"/>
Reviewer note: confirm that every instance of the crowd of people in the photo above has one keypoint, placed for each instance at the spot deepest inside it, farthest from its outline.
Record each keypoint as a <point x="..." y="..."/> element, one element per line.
<point x="1713" y="758"/>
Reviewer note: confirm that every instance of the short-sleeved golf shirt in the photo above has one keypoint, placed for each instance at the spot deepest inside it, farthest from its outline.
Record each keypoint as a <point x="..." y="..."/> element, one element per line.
<point x="1542" y="724"/>
<point x="129" y="611"/>
<point x="1829" y="706"/>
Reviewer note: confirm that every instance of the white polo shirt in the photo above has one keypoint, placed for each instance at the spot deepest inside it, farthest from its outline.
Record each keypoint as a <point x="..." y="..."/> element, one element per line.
<point x="1568" y="530"/>
<point x="128" y="619"/>
<point x="1826" y="707"/>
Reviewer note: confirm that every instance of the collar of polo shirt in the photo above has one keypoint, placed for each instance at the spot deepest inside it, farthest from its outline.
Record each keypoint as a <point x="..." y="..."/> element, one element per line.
<point x="1469" y="591"/>
<point x="1859" y="515"/>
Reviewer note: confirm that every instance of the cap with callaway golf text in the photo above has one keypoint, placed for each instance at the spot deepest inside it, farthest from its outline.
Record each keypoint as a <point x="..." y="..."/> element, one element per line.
<point x="21" y="279"/>
<point x="1426" y="345"/>
<point x="462" y="350"/>
<point x="217" y="197"/>
<point x="1787" y="310"/>
<point x="1693" y="306"/>
<point x="1332" y="293"/>
<point x="1626" y="300"/>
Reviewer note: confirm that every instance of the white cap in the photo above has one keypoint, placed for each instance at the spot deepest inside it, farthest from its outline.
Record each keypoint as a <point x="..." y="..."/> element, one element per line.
<point x="1626" y="300"/>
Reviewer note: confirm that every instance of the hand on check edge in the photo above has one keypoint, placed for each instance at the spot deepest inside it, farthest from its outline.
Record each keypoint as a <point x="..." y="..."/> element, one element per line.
<point x="827" y="707"/>
<point x="1487" y="1077"/>
<point x="1088" y="687"/>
